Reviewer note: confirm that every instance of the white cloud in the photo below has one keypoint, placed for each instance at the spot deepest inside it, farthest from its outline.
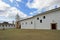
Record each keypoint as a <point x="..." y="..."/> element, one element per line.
<point x="15" y="0"/>
<point x="19" y="0"/>
<point x="13" y="11"/>
<point x="31" y="13"/>
<point x="39" y="4"/>
<point x="17" y="4"/>
<point x="11" y="0"/>
<point x="3" y="8"/>
<point x="42" y="3"/>
<point x="8" y="13"/>
<point x="55" y="2"/>
<point x="3" y="5"/>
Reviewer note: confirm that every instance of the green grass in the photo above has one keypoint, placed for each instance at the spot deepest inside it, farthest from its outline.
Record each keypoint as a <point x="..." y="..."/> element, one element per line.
<point x="18" y="34"/>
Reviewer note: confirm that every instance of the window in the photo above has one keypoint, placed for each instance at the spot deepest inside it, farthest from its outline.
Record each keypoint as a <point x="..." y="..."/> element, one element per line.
<point x="40" y="21"/>
<point x="43" y="17"/>
<point x="6" y="25"/>
<point x="3" y="25"/>
<point x="26" y="22"/>
<point x="31" y="22"/>
<point x="37" y="18"/>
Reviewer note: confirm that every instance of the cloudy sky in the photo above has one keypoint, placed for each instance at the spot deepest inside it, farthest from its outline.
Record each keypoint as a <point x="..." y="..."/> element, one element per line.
<point x="25" y="8"/>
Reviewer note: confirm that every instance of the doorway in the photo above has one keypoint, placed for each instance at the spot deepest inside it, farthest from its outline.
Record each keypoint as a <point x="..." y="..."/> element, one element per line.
<point x="53" y="26"/>
<point x="19" y="26"/>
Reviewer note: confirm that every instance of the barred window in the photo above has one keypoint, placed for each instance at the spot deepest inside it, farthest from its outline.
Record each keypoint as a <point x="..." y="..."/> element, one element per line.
<point x="26" y="22"/>
<point x="37" y="18"/>
<point x="44" y="17"/>
<point x="40" y="21"/>
<point x="31" y="22"/>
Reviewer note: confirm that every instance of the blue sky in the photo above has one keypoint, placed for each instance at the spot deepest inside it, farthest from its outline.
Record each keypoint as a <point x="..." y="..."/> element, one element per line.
<point x="22" y="6"/>
<point x="25" y="8"/>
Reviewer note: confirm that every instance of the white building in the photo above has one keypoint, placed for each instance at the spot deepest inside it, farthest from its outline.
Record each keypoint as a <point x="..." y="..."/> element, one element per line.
<point x="47" y="20"/>
<point x="6" y="25"/>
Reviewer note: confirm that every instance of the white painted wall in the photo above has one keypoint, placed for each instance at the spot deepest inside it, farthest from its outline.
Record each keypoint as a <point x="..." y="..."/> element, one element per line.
<point x="53" y="17"/>
<point x="28" y="25"/>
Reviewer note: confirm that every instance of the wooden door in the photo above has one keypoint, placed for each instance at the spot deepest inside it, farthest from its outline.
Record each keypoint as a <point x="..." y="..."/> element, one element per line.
<point x="53" y="26"/>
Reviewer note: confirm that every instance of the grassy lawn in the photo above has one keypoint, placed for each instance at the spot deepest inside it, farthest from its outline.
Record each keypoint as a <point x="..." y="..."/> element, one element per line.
<point x="18" y="34"/>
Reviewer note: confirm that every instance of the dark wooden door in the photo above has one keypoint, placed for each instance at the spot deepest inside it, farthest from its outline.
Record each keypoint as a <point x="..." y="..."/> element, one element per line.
<point x="53" y="26"/>
<point x="19" y="26"/>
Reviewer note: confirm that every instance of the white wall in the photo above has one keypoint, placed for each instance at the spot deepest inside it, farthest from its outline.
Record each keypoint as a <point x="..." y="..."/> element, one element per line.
<point x="28" y="25"/>
<point x="53" y="17"/>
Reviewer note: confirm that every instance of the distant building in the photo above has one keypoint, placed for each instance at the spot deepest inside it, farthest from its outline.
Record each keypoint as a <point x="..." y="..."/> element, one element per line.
<point x="6" y="25"/>
<point x="46" y="20"/>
